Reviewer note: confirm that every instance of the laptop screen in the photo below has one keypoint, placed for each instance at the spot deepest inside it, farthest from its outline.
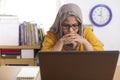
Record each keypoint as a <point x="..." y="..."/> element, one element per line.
<point x="82" y="65"/>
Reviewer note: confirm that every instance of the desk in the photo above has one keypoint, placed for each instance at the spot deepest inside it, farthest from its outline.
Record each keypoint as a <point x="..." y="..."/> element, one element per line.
<point x="10" y="72"/>
<point x="117" y="73"/>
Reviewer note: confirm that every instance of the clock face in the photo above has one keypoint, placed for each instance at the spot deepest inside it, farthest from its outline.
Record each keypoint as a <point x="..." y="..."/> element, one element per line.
<point x="100" y="15"/>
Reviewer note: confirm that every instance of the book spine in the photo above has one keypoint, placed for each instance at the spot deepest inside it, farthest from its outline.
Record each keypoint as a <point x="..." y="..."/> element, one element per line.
<point x="11" y="53"/>
<point x="10" y="50"/>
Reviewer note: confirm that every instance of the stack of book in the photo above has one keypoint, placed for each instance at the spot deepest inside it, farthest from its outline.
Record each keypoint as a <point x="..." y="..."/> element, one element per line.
<point x="11" y="53"/>
<point x="28" y="34"/>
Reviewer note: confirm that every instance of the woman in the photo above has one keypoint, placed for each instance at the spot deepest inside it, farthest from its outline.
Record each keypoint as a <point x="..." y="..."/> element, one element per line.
<point x="68" y="34"/>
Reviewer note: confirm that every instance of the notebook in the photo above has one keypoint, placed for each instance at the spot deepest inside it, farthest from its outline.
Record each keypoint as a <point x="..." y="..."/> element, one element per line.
<point x="85" y="65"/>
<point x="28" y="73"/>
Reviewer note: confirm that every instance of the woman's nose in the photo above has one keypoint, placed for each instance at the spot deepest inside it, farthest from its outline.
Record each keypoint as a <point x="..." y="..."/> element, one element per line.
<point x="71" y="29"/>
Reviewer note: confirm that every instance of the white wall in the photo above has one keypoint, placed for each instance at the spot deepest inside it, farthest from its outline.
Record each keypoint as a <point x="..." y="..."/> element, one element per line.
<point x="40" y="11"/>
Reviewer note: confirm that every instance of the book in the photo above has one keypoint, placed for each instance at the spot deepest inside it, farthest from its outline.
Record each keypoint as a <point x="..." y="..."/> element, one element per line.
<point x="0" y="55"/>
<point x="29" y="73"/>
<point x="28" y="34"/>
<point x="4" y="56"/>
<point x="27" y="53"/>
<point x="11" y="52"/>
<point x="41" y="36"/>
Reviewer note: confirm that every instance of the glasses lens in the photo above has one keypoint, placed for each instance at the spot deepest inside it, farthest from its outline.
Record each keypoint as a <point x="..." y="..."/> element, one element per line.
<point x="70" y="25"/>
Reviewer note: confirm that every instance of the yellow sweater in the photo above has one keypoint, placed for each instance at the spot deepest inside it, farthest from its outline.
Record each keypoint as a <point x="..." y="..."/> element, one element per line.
<point x="51" y="39"/>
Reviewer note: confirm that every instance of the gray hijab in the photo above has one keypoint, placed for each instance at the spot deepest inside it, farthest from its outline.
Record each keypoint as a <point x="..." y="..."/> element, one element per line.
<point x="65" y="11"/>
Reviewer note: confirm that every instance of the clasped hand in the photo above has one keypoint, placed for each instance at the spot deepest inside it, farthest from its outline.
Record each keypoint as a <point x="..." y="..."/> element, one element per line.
<point x="72" y="38"/>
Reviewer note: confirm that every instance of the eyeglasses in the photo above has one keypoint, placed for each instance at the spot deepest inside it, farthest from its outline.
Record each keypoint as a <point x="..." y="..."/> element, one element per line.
<point x="67" y="26"/>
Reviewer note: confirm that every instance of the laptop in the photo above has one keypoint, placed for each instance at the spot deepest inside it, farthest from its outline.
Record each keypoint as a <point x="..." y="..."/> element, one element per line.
<point x="82" y="65"/>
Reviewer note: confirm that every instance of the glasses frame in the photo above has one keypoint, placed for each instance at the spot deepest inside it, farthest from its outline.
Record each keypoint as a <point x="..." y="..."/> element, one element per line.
<point x="67" y="26"/>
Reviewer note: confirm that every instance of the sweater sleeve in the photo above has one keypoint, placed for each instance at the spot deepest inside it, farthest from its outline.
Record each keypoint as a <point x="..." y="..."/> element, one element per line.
<point x="90" y="36"/>
<point x="49" y="41"/>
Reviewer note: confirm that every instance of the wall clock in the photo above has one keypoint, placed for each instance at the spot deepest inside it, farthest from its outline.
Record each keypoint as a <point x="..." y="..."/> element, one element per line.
<point x="100" y="15"/>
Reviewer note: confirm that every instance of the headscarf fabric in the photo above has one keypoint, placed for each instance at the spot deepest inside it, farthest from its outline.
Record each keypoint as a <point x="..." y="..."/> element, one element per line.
<point x="65" y="11"/>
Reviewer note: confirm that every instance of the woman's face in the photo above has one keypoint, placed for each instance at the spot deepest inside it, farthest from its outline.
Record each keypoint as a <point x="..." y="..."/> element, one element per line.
<point x="70" y="25"/>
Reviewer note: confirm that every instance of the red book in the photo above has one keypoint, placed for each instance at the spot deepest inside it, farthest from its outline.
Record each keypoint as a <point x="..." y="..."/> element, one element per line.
<point x="11" y="50"/>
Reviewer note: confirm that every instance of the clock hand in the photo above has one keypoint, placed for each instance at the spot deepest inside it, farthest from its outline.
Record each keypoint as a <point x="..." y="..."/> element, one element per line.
<point x="101" y="12"/>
